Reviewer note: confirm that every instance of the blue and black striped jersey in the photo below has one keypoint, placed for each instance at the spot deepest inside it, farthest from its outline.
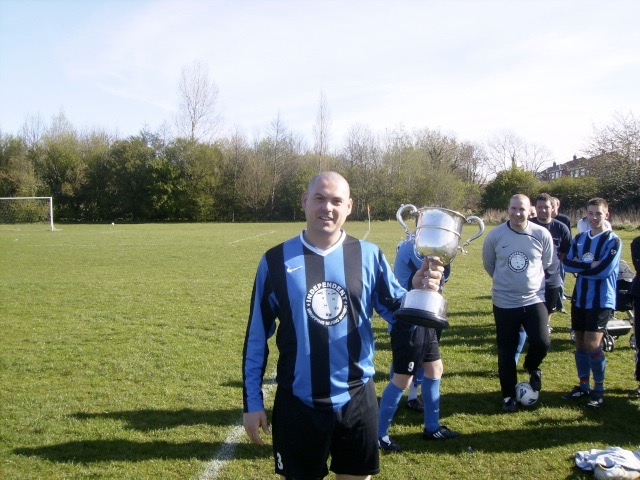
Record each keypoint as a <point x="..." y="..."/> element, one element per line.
<point x="595" y="287"/>
<point x="324" y="301"/>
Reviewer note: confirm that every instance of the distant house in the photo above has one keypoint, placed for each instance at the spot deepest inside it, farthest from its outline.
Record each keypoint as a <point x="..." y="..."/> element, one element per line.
<point x="578" y="167"/>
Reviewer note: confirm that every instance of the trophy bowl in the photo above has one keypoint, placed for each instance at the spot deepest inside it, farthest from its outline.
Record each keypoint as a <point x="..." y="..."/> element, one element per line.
<point x="438" y="233"/>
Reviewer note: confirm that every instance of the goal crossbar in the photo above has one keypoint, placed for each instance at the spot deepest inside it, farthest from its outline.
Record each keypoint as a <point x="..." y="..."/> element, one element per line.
<point x="50" y="201"/>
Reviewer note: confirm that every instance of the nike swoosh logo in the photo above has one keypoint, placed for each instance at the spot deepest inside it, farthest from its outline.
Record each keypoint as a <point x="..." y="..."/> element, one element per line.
<point x="505" y="246"/>
<point x="580" y="244"/>
<point x="289" y="269"/>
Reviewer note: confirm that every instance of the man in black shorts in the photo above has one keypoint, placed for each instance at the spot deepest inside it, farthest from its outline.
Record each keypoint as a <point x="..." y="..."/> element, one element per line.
<point x="316" y="292"/>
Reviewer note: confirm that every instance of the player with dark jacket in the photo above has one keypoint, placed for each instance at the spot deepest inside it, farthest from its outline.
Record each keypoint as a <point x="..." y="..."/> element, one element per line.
<point x="635" y="292"/>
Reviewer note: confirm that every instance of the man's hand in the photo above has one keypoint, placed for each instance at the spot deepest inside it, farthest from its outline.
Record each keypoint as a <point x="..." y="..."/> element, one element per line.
<point x="430" y="274"/>
<point x="253" y="422"/>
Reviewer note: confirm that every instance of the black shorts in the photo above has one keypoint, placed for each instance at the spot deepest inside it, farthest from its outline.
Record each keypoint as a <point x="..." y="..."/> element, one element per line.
<point x="553" y="299"/>
<point x="590" y="319"/>
<point x="411" y="347"/>
<point x="304" y="437"/>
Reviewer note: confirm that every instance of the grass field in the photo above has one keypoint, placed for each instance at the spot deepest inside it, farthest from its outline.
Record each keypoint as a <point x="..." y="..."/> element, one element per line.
<point x="120" y="358"/>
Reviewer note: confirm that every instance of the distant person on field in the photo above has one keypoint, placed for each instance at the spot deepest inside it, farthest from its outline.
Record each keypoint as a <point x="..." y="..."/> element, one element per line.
<point x="583" y="225"/>
<point x="635" y="292"/>
<point x="320" y="290"/>
<point x="516" y="254"/>
<point x="556" y="215"/>
<point x="416" y="351"/>
<point x="595" y="257"/>
<point x="554" y="283"/>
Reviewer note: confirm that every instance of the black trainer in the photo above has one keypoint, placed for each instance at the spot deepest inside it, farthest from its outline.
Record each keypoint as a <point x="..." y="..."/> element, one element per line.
<point x="576" y="394"/>
<point x="416" y="405"/>
<point x="442" y="433"/>
<point x="535" y="379"/>
<point x="509" y="404"/>
<point x="596" y="400"/>
<point x="388" y="445"/>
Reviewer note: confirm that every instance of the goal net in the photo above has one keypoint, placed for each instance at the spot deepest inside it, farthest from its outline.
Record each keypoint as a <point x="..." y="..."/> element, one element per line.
<point x="27" y="210"/>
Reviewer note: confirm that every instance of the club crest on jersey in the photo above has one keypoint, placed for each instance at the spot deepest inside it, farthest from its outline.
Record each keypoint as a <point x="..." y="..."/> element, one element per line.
<point x="518" y="262"/>
<point x="326" y="303"/>
<point x="588" y="257"/>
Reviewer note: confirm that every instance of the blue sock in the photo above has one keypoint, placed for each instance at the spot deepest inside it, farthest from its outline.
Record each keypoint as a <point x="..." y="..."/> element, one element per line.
<point x="584" y="368"/>
<point x="522" y="337"/>
<point x="598" y="364"/>
<point x="388" y="406"/>
<point x="431" y="400"/>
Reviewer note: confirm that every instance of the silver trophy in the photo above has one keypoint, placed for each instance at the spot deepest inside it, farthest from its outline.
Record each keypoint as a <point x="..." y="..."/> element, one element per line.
<point x="438" y="233"/>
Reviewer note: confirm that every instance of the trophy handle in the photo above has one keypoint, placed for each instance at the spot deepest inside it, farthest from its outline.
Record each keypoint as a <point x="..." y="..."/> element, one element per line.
<point x="480" y="223"/>
<point x="414" y="210"/>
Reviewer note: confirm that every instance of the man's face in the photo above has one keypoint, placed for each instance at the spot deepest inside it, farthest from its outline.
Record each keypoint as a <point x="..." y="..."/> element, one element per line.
<point x="544" y="210"/>
<point x="518" y="212"/>
<point x="327" y="206"/>
<point x="597" y="214"/>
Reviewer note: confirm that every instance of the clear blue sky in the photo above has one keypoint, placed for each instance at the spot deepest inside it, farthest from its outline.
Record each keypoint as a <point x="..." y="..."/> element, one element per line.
<point x="546" y="70"/>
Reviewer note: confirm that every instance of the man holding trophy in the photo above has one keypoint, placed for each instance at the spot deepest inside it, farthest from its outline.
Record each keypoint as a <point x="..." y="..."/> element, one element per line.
<point x="319" y="290"/>
<point x="516" y="254"/>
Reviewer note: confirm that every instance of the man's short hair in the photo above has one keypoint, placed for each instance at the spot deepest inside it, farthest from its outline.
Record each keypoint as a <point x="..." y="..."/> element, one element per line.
<point x="520" y="197"/>
<point x="598" y="201"/>
<point x="544" y="197"/>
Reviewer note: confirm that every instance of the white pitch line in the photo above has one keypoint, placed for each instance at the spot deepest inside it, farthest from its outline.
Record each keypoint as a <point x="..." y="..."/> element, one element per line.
<point x="253" y="236"/>
<point x="227" y="450"/>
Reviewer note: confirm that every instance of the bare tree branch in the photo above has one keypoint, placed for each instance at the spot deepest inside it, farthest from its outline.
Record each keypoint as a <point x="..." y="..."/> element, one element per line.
<point x="198" y="117"/>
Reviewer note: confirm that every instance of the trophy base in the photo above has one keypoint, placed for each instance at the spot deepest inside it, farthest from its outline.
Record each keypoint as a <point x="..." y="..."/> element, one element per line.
<point x="422" y="318"/>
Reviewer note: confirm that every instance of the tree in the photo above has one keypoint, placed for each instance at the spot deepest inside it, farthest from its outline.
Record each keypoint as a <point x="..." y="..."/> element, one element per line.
<point x="506" y="184"/>
<point x="620" y="137"/>
<point x="235" y="151"/>
<point x="278" y="151"/>
<point x="33" y="129"/>
<point x="362" y="155"/>
<point x="198" y="117"/>
<point x="507" y="150"/>
<point x="60" y="166"/>
<point x="321" y="133"/>
<point x="573" y="193"/>
<point x="615" y="149"/>
<point x="471" y="162"/>
<point x="17" y="174"/>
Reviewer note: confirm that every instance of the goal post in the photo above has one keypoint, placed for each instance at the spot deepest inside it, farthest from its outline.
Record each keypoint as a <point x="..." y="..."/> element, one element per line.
<point x="27" y="210"/>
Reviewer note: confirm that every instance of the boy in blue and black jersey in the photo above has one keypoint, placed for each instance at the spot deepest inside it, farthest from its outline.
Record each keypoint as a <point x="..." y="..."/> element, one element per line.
<point x="594" y="256"/>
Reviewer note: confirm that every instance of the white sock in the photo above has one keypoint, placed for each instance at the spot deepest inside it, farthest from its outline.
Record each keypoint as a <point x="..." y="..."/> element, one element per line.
<point x="413" y="392"/>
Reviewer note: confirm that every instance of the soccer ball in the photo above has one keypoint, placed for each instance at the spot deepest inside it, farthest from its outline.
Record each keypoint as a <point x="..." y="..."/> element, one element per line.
<point x="525" y="395"/>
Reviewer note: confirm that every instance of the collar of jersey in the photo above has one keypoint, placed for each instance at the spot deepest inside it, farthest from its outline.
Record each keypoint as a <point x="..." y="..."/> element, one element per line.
<point x="320" y="251"/>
